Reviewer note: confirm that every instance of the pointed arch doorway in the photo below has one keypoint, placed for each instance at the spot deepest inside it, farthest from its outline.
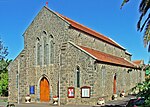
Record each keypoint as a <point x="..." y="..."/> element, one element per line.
<point x="114" y="84"/>
<point x="44" y="90"/>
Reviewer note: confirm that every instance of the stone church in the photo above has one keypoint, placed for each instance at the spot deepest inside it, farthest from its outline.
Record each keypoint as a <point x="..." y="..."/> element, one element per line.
<point x="66" y="59"/>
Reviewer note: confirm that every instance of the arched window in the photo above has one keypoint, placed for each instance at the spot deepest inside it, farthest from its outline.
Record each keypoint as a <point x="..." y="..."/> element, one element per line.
<point x="78" y="76"/>
<point x="51" y="50"/>
<point x="46" y="52"/>
<point x="103" y="74"/>
<point x="124" y="78"/>
<point x="38" y="54"/>
<point x="17" y="79"/>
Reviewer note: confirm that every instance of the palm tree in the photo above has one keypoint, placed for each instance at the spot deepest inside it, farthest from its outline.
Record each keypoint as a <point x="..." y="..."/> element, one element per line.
<point x="144" y="11"/>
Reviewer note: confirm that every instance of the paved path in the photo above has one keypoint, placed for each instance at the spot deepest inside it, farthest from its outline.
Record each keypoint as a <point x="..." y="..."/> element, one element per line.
<point x="121" y="102"/>
<point x="49" y="105"/>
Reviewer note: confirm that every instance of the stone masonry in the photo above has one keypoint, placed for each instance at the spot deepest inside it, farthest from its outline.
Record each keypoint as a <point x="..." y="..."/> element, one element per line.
<point x="52" y="51"/>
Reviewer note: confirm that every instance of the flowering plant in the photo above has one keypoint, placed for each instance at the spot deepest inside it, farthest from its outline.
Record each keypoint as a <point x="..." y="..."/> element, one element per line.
<point x="101" y="99"/>
<point x="54" y="96"/>
<point x="122" y="91"/>
<point x="28" y="95"/>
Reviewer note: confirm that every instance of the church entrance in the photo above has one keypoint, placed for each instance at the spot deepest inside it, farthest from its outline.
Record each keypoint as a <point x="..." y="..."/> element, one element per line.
<point x="44" y="90"/>
<point x="114" y="85"/>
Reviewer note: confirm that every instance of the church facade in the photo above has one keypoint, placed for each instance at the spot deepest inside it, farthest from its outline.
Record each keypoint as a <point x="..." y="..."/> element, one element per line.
<point x="66" y="59"/>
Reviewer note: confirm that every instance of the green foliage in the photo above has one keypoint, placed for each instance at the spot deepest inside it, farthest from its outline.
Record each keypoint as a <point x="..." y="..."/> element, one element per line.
<point x="3" y="65"/>
<point x="4" y="84"/>
<point x="4" y="77"/>
<point x="3" y="50"/>
<point x="144" y="20"/>
<point x="145" y="91"/>
<point x="3" y="70"/>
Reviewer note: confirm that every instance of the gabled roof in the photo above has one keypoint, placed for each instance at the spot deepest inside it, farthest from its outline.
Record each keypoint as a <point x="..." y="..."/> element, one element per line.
<point x="126" y="52"/>
<point x="91" y="32"/>
<point x="88" y="31"/>
<point x="138" y="62"/>
<point x="107" y="58"/>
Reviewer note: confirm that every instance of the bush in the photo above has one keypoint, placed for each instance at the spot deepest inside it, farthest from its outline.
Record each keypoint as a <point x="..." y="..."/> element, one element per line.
<point x="145" y="91"/>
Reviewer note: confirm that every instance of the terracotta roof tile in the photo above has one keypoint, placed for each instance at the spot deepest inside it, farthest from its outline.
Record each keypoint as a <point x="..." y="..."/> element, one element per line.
<point x="90" y="31"/>
<point x="107" y="58"/>
<point x="137" y="62"/>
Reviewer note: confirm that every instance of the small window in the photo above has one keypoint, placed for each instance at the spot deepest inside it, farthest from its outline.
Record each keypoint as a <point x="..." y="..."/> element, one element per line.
<point x="85" y="92"/>
<point x="103" y="74"/>
<point x="17" y="80"/>
<point x="46" y="52"/>
<point x="38" y="54"/>
<point x="51" y="52"/>
<point x="78" y="77"/>
<point x="124" y="78"/>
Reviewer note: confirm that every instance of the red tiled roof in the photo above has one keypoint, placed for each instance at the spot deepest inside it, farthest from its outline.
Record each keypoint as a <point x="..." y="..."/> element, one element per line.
<point x="137" y="62"/>
<point x="90" y="31"/>
<point x="107" y="58"/>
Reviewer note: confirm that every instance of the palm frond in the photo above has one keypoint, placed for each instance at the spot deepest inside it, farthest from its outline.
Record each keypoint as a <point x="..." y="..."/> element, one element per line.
<point x="123" y="3"/>
<point x="142" y="5"/>
<point x="145" y="23"/>
<point x="147" y="35"/>
<point x="149" y="48"/>
<point x="147" y="30"/>
<point x="139" y="22"/>
<point x="146" y="7"/>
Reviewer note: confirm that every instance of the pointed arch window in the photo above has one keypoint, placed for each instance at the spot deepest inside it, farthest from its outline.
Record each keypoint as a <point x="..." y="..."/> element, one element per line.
<point x="103" y="74"/>
<point x="39" y="61"/>
<point x="46" y="52"/>
<point x="51" y="50"/>
<point x="78" y="76"/>
<point x="124" y="78"/>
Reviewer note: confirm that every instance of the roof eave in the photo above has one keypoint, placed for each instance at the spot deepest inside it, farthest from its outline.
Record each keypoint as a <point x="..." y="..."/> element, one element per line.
<point x="82" y="50"/>
<point x="134" y="67"/>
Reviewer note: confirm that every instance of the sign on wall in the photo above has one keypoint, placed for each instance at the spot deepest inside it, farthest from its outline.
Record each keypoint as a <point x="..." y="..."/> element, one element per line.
<point x="32" y="90"/>
<point x="71" y="92"/>
<point x="85" y="92"/>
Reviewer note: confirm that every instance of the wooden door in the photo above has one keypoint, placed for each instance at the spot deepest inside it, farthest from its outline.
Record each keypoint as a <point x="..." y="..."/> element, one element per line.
<point x="114" y="85"/>
<point x="44" y="90"/>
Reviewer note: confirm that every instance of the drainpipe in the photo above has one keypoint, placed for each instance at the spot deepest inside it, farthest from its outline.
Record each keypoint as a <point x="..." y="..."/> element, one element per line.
<point x="59" y="77"/>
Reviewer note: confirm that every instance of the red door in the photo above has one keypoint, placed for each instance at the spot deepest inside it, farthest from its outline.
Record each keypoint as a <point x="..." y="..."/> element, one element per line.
<point x="114" y="87"/>
<point x="44" y="90"/>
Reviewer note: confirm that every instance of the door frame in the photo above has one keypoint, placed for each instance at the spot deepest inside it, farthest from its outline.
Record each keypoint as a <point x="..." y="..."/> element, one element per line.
<point x="38" y="87"/>
<point x="115" y="83"/>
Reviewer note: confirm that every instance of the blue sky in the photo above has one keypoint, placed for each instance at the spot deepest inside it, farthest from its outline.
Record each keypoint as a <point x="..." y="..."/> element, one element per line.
<point x="103" y="16"/>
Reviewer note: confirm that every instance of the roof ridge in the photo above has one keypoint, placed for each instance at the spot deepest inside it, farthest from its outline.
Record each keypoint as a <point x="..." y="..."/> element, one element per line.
<point x="83" y="25"/>
<point x="90" y="31"/>
<point x="131" y="62"/>
<point x="56" y="14"/>
<point x="117" y="43"/>
<point x="87" y="30"/>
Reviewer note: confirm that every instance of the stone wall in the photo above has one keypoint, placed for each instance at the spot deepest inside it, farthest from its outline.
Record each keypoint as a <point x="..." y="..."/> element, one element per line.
<point x="17" y="79"/>
<point x="91" y="75"/>
<point x="83" y="39"/>
<point x="67" y="57"/>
